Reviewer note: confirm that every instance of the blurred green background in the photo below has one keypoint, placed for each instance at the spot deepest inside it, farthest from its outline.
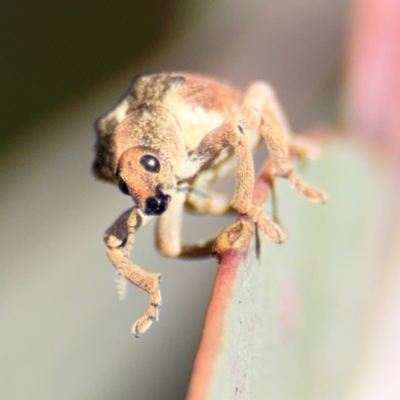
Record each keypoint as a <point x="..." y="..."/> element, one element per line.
<point x="53" y="51"/>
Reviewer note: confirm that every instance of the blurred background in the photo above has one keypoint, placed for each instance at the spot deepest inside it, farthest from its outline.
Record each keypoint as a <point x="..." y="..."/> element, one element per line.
<point x="63" y="332"/>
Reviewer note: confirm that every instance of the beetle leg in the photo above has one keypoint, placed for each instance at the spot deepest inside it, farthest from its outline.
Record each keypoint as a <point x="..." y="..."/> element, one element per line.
<point x="235" y="133"/>
<point x="169" y="233"/>
<point x="277" y="134"/>
<point x="213" y="202"/>
<point x="264" y="188"/>
<point x="202" y="200"/>
<point x="119" y="239"/>
<point x="305" y="147"/>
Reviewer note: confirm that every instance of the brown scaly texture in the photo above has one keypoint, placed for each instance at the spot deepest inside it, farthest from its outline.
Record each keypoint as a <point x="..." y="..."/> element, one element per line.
<point x="194" y="130"/>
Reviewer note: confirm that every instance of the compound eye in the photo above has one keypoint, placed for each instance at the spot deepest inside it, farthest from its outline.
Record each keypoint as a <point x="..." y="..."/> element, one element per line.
<point x="123" y="187"/>
<point x="150" y="163"/>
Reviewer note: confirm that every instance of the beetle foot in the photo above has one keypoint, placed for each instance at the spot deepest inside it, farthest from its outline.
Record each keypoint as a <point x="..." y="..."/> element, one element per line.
<point x="312" y="194"/>
<point x="144" y="322"/>
<point x="271" y="230"/>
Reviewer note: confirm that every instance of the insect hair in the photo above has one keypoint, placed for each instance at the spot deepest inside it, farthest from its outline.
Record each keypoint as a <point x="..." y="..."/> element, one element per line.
<point x="121" y="285"/>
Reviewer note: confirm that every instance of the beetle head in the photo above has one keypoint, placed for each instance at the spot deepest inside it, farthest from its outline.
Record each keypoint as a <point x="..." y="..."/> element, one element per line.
<point x="145" y="176"/>
<point x="142" y="150"/>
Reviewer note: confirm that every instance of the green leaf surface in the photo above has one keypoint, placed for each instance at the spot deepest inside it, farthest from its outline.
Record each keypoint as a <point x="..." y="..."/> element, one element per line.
<point x="292" y="327"/>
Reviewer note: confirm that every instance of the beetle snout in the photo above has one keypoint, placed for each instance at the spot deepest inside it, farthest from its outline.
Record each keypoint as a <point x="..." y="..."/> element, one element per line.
<point x="156" y="205"/>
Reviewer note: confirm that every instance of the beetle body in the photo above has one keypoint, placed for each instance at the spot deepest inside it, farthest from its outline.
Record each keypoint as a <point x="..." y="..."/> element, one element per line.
<point x="167" y="140"/>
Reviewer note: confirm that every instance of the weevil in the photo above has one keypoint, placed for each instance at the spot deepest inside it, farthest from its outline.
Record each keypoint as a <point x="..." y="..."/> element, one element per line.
<point x="169" y="138"/>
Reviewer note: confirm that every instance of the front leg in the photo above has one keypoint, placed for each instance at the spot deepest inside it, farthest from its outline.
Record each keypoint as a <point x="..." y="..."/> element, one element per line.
<point x="234" y="133"/>
<point x="119" y="239"/>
